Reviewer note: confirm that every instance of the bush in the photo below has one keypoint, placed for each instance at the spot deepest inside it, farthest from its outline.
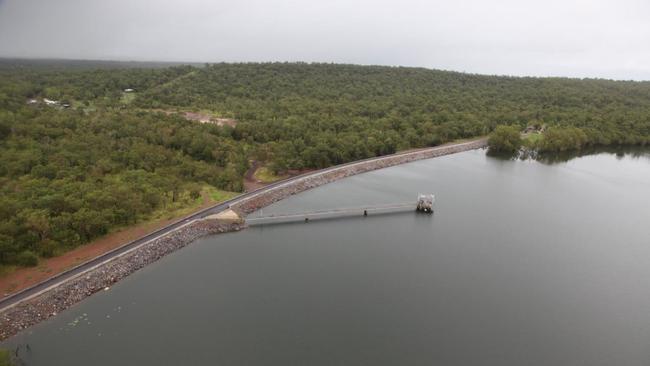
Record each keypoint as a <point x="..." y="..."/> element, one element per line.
<point x="195" y="191"/>
<point x="557" y="139"/>
<point x="505" y="139"/>
<point x="27" y="258"/>
<point x="48" y="248"/>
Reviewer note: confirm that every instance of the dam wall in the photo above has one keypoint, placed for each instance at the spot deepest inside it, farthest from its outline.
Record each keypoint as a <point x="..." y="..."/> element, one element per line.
<point x="56" y="298"/>
<point x="319" y="178"/>
<point x="101" y="278"/>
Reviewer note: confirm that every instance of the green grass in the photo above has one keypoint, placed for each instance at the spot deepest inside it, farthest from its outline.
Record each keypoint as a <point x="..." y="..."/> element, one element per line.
<point x="264" y="175"/>
<point x="185" y="205"/>
<point x="5" y="358"/>
<point x="218" y="195"/>
<point x="531" y="139"/>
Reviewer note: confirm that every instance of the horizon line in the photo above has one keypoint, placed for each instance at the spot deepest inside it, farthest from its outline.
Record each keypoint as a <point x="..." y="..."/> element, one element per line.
<point x="195" y="63"/>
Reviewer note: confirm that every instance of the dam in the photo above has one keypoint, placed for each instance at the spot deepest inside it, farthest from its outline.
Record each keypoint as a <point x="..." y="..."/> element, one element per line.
<point x="48" y="298"/>
<point x="346" y="291"/>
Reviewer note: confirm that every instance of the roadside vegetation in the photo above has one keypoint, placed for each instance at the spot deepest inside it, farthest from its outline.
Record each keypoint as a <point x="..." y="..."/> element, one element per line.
<point x="101" y="158"/>
<point x="5" y="358"/>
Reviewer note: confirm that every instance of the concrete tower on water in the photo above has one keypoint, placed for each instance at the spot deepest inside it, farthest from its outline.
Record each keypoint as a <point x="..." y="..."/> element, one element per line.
<point x="425" y="203"/>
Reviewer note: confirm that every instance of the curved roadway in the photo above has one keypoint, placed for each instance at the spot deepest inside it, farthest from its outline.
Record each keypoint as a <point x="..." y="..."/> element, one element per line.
<point x="58" y="279"/>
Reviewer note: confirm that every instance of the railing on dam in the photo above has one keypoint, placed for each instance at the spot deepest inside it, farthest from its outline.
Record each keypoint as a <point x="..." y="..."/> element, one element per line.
<point x="332" y="214"/>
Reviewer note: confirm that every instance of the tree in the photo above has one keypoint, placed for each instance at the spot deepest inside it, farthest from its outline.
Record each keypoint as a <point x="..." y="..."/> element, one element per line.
<point x="557" y="139"/>
<point x="69" y="175"/>
<point x="8" y="248"/>
<point x="505" y="140"/>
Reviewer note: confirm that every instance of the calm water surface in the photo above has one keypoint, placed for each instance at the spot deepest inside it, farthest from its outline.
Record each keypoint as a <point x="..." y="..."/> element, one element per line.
<point x="523" y="263"/>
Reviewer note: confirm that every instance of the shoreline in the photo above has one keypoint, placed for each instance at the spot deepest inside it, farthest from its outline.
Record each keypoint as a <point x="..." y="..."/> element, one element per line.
<point x="319" y="178"/>
<point x="57" y="298"/>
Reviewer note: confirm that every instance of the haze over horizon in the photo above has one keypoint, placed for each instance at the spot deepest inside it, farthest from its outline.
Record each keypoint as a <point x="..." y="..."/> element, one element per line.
<point x="600" y="39"/>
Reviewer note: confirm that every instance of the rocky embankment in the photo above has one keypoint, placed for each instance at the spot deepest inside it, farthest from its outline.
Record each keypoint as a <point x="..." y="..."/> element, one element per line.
<point x="278" y="193"/>
<point x="101" y="278"/>
<point x="59" y="298"/>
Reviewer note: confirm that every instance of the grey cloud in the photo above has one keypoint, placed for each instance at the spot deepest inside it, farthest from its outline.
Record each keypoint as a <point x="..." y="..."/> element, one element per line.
<point x="580" y="38"/>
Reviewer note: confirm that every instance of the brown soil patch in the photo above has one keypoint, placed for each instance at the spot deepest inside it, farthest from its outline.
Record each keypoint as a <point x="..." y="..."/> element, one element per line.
<point x="250" y="183"/>
<point x="199" y="117"/>
<point x="206" y="118"/>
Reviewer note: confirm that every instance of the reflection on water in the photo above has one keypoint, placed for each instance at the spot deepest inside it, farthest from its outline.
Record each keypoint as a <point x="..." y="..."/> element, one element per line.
<point x="523" y="263"/>
<point x="621" y="152"/>
<point x="633" y="152"/>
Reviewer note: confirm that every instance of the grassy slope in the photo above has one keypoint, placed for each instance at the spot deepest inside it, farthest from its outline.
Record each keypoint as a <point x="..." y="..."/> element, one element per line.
<point x="264" y="175"/>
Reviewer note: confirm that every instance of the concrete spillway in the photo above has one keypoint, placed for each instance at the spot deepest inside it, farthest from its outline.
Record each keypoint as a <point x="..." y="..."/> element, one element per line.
<point x="331" y="214"/>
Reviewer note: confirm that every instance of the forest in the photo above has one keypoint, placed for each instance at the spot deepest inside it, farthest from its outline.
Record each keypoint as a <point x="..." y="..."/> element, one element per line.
<point x="100" y="158"/>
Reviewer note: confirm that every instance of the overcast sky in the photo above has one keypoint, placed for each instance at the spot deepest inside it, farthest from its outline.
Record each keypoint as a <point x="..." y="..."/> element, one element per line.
<point x="579" y="38"/>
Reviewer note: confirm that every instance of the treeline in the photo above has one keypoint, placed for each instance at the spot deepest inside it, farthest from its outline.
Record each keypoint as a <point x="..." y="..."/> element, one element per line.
<point x="312" y="115"/>
<point x="70" y="175"/>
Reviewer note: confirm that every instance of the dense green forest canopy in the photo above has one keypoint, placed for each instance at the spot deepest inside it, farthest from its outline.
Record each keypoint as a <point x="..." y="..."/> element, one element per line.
<point x="71" y="173"/>
<point x="360" y="110"/>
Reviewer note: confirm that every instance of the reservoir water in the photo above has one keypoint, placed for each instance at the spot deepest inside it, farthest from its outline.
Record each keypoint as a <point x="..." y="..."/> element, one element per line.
<point x="523" y="263"/>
